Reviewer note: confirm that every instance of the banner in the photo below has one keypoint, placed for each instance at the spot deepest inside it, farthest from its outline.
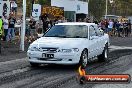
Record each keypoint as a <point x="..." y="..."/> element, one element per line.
<point x="53" y="11"/>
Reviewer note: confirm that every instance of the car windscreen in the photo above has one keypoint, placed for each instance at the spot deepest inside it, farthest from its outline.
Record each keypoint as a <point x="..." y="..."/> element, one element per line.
<point x="68" y="31"/>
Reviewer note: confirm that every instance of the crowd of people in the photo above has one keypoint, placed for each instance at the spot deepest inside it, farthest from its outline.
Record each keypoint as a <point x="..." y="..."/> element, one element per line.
<point x="112" y="27"/>
<point x="8" y="24"/>
<point x="40" y="26"/>
<point x="33" y="27"/>
<point x="115" y="27"/>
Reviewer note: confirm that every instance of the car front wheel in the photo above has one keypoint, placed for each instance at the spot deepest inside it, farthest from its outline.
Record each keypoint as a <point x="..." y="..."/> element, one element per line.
<point x="84" y="59"/>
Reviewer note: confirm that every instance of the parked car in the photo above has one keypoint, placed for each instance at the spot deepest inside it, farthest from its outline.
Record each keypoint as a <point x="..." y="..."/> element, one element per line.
<point x="69" y="43"/>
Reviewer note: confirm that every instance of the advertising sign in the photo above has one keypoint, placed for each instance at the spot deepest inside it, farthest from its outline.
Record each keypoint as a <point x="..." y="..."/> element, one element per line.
<point x="53" y="11"/>
<point x="36" y="11"/>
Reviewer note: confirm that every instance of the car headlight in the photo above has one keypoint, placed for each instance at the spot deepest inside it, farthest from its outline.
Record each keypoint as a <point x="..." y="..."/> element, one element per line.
<point x="75" y="49"/>
<point x="33" y="49"/>
<point x="68" y="50"/>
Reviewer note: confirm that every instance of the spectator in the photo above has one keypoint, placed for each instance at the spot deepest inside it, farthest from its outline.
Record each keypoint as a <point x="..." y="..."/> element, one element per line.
<point x="125" y="29"/>
<point x="114" y="27"/>
<point x="103" y="24"/>
<point x="80" y="20"/>
<point x="129" y="28"/>
<point x="45" y="23"/>
<point x="1" y="31"/>
<point x="5" y="26"/>
<point x="5" y="7"/>
<point x="117" y="27"/>
<point x="110" y="27"/>
<point x="33" y="31"/>
<point x="106" y="25"/>
<point x="14" y="7"/>
<point x="39" y="26"/>
<point x="11" y="31"/>
<point x="121" y="28"/>
<point x="96" y="22"/>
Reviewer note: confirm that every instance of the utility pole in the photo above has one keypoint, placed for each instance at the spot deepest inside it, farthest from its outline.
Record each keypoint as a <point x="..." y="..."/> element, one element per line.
<point x="23" y="26"/>
<point x="88" y="7"/>
<point x="106" y="9"/>
<point x="32" y="5"/>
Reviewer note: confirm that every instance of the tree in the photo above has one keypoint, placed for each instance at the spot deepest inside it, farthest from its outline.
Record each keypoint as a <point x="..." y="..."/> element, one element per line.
<point x="119" y="7"/>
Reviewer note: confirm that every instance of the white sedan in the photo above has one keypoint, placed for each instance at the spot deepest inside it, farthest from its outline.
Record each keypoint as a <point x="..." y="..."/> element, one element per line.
<point x="69" y="43"/>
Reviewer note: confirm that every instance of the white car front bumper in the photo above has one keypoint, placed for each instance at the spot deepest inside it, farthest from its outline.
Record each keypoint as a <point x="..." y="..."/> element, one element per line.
<point x="59" y="58"/>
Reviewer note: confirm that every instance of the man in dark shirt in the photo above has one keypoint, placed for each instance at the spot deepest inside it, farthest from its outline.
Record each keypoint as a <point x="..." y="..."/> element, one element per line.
<point x="45" y="23"/>
<point x="117" y="26"/>
<point x="11" y="31"/>
<point x="106" y="25"/>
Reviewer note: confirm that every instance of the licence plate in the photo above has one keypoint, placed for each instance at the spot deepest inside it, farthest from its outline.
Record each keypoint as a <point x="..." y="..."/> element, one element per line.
<point x="44" y="55"/>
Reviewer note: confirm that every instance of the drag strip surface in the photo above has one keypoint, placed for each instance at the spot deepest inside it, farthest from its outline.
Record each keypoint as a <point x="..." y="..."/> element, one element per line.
<point x="18" y="73"/>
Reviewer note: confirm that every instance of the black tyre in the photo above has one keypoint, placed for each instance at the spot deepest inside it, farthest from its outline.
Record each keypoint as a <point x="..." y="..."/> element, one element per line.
<point x="104" y="56"/>
<point x="82" y="80"/>
<point x="84" y="59"/>
<point x="34" y="64"/>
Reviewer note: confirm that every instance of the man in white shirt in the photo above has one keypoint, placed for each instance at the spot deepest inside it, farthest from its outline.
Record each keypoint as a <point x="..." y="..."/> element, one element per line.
<point x="110" y="27"/>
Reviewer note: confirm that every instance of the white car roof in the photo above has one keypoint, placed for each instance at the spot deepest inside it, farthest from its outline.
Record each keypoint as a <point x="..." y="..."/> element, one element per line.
<point x="76" y="23"/>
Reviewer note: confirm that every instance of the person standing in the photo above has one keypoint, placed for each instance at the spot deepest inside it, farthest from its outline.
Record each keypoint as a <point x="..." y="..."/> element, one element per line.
<point x="1" y="31"/>
<point x="11" y="28"/>
<point x="45" y="22"/>
<point x="121" y="28"/>
<point x="39" y="26"/>
<point x="1" y="25"/>
<point x="117" y="27"/>
<point x="126" y="29"/>
<point x="106" y="26"/>
<point x="5" y="26"/>
<point x="129" y="27"/>
<point x="14" y="7"/>
<point x="110" y="27"/>
<point x="33" y="31"/>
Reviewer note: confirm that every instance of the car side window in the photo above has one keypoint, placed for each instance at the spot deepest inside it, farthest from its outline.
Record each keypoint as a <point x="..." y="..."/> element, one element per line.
<point x="92" y="31"/>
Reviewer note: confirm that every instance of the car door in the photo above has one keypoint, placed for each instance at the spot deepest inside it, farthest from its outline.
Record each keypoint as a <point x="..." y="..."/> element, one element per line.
<point x="93" y="42"/>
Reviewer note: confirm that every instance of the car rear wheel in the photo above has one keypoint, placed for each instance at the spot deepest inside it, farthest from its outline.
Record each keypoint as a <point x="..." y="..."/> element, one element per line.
<point x="104" y="56"/>
<point x="84" y="59"/>
<point x="34" y="64"/>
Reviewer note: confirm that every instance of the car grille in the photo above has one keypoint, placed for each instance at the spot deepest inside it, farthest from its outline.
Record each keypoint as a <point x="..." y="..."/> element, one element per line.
<point x="48" y="49"/>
